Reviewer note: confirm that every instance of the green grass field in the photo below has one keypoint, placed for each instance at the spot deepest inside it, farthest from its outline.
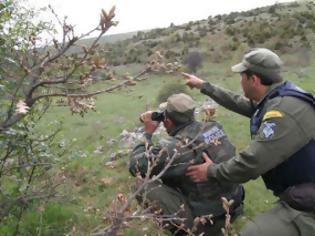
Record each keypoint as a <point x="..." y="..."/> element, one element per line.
<point x="90" y="185"/>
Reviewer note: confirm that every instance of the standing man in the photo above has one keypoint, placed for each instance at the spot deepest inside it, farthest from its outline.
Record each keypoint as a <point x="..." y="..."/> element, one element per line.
<point x="175" y="194"/>
<point x="282" y="149"/>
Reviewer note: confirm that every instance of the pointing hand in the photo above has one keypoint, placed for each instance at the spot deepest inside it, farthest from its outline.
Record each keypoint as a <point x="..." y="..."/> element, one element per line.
<point x="193" y="81"/>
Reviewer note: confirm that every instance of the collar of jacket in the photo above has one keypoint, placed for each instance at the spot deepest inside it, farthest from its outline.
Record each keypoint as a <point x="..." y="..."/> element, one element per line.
<point x="271" y="87"/>
<point x="177" y="128"/>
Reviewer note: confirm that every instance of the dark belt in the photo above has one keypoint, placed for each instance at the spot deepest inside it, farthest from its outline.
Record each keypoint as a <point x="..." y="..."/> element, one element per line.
<point x="300" y="197"/>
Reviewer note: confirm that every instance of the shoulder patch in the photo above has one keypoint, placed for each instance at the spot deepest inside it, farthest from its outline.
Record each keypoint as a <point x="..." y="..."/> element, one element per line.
<point x="272" y="114"/>
<point x="268" y="129"/>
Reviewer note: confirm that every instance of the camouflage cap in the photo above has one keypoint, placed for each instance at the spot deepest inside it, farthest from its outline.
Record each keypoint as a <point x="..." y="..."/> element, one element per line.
<point x="179" y="107"/>
<point x="262" y="61"/>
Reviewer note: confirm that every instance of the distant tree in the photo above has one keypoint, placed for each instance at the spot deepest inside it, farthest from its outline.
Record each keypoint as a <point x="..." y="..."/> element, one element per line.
<point x="229" y="31"/>
<point x="250" y="41"/>
<point x="203" y="30"/>
<point x="218" y="17"/>
<point x="170" y="55"/>
<point x="187" y="27"/>
<point x="139" y="36"/>
<point x="272" y="9"/>
<point x="193" y="61"/>
<point x="175" y="38"/>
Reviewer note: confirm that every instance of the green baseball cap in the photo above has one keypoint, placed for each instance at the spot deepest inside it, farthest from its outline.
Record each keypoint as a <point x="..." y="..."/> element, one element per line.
<point x="262" y="61"/>
<point x="179" y="107"/>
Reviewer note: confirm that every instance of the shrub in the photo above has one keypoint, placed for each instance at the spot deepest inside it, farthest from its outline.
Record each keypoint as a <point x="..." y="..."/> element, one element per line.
<point x="169" y="89"/>
<point x="193" y="61"/>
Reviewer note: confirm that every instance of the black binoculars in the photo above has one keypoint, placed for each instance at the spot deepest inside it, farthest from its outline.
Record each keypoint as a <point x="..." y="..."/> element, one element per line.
<point x="156" y="116"/>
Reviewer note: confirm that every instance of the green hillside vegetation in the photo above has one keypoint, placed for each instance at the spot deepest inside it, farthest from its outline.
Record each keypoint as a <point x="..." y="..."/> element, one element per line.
<point x="93" y="164"/>
<point x="285" y="28"/>
<point x="106" y="39"/>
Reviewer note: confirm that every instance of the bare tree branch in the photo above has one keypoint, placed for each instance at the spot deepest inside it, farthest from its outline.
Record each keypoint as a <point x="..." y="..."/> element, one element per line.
<point x="107" y="90"/>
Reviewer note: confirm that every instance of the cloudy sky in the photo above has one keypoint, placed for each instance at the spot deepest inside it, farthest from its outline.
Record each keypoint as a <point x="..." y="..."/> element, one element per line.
<point x="136" y="15"/>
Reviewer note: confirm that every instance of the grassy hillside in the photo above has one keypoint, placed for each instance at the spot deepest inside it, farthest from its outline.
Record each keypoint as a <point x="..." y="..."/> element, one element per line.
<point x="286" y="28"/>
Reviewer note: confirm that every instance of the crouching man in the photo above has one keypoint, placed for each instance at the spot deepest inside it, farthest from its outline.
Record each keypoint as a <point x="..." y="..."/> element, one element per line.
<point x="179" y="199"/>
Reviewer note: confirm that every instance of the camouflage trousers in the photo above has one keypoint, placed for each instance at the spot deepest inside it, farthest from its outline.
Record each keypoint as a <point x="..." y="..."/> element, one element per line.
<point x="174" y="203"/>
<point x="281" y="221"/>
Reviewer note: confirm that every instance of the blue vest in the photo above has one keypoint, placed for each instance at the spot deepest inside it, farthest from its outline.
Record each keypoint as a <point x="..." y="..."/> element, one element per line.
<point x="300" y="167"/>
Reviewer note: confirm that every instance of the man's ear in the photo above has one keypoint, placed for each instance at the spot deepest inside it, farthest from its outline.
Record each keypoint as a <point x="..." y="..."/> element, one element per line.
<point x="256" y="79"/>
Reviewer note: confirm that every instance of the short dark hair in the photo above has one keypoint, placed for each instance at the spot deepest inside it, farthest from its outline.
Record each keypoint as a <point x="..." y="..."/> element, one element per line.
<point x="265" y="80"/>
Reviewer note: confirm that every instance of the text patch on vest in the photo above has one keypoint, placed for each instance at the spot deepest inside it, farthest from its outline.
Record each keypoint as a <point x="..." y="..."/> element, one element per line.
<point x="213" y="135"/>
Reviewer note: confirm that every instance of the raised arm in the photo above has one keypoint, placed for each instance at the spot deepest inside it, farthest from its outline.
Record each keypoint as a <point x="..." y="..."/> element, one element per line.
<point x="230" y="100"/>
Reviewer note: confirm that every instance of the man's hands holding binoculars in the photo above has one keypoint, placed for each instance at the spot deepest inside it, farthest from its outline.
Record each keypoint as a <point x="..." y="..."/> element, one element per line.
<point x="149" y="125"/>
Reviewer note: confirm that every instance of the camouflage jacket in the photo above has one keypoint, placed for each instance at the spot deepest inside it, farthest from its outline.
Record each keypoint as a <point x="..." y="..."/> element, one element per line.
<point x="190" y="141"/>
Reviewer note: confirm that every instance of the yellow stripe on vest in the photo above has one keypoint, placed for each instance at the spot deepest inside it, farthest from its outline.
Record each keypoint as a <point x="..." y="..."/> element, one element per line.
<point x="272" y="114"/>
